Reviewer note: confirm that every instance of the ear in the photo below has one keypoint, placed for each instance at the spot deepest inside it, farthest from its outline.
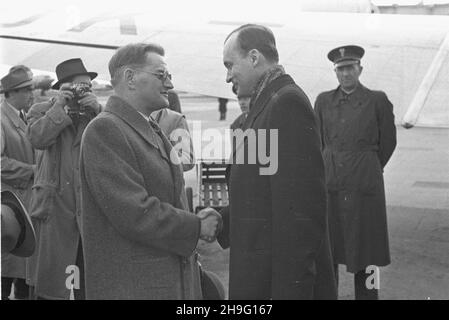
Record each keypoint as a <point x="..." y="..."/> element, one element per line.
<point x="360" y="69"/>
<point x="254" y="56"/>
<point x="129" y="77"/>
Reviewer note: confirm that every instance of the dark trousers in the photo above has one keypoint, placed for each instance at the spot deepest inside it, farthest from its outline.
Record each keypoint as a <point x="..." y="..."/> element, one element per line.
<point x="360" y="290"/>
<point x="21" y="289"/>
<point x="222" y="107"/>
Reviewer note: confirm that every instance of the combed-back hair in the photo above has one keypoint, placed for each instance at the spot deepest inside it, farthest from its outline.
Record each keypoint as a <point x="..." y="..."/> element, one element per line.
<point x="254" y="36"/>
<point x="132" y="55"/>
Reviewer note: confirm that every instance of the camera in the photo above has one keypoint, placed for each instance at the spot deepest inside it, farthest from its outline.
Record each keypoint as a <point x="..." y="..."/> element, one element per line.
<point x="79" y="90"/>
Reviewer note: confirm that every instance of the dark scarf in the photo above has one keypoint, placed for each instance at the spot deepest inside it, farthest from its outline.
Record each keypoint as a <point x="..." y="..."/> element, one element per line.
<point x="271" y="74"/>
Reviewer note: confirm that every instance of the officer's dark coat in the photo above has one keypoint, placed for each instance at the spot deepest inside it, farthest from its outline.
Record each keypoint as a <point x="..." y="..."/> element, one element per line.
<point x="358" y="138"/>
<point x="278" y="224"/>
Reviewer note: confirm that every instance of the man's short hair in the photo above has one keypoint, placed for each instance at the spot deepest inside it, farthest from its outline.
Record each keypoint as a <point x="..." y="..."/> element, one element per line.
<point x="132" y="55"/>
<point x="254" y="36"/>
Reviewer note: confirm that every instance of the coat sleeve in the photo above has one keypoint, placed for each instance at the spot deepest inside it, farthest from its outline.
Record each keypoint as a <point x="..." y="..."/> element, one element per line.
<point x="111" y="176"/>
<point x="298" y="199"/>
<point x="317" y="110"/>
<point x="182" y="142"/>
<point x="46" y="121"/>
<point x="387" y="129"/>
<point x="14" y="172"/>
<point x="223" y="237"/>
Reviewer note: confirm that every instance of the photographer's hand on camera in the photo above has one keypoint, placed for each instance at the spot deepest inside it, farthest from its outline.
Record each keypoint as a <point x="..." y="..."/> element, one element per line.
<point x="64" y="95"/>
<point x="89" y="103"/>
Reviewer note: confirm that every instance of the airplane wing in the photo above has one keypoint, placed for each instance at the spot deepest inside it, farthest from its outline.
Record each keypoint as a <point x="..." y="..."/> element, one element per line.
<point x="406" y="56"/>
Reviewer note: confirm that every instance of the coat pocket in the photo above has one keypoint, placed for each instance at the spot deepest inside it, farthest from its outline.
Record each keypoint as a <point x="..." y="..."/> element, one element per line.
<point x="42" y="200"/>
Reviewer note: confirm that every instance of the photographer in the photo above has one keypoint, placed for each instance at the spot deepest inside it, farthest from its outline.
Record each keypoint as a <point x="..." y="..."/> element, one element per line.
<point x="55" y="130"/>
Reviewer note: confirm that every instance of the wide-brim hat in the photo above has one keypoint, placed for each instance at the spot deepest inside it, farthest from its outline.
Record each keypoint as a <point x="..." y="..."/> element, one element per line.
<point x="22" y="241"/>
<point x="346" y="55"/>
<point x="70" y="68"/>
<point x="15" y="79"/>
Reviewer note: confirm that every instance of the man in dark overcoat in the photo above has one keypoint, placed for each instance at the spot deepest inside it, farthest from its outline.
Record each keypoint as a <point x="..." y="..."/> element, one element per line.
<point x="358" y="138"/>
<point x="277" y="215"/>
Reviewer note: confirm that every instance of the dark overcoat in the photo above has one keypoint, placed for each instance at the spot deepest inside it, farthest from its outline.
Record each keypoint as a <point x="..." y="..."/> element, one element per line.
<point x="358" y="138"/>
<point x="277" y="223"/>
<point x="138" y="238"/>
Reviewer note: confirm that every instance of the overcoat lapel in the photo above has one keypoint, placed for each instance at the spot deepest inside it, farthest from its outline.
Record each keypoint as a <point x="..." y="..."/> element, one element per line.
<point x="259" y="105"/>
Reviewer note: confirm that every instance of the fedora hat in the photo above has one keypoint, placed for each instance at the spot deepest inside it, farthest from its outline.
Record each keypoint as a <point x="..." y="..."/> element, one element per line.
<point x="17" y="77"/>
<point x="18" y="237"/>
<point x="70" y="68"/>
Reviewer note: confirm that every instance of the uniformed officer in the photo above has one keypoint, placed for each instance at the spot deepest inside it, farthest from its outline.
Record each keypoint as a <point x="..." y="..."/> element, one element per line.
<point x="358" y="138"/>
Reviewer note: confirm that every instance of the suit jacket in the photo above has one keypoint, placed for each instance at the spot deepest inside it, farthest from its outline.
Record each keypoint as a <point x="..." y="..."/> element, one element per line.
<point x="278" y="224"/>
<point x="17" y="171"/>
<point x="138" y="238"/>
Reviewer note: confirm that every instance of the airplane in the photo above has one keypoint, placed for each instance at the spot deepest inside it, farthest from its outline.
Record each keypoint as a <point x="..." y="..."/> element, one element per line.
<point x="406" y="56"/>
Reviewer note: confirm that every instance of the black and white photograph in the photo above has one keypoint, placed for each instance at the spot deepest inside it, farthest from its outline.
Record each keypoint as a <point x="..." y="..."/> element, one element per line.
<point x="224" y="151"/>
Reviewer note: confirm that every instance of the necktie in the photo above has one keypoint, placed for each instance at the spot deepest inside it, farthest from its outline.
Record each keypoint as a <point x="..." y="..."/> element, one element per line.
<point x="166" y="143"/>
<point x="22" y="116"/>
<point x="155" y="126"/>
<point x="176" y="169"/>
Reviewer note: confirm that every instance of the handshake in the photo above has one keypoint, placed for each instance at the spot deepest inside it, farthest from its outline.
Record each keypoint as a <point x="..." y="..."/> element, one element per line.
<point x="211" y="224"/>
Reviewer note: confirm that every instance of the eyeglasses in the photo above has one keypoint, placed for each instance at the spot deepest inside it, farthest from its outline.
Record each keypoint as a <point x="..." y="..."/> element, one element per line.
<point x="161" y="76"/>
